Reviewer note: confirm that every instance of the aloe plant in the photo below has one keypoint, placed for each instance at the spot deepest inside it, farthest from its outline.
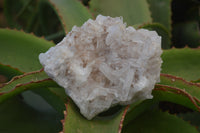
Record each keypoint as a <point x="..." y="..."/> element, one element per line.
<point x="32" y="102"/>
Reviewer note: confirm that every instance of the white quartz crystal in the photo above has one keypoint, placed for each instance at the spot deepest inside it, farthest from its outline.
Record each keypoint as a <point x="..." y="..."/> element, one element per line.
<point x="104" y="63"/>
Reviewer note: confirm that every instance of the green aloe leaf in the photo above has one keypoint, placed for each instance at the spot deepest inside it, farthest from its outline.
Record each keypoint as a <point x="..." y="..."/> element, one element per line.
<point x="133" y="12"/>
<point x="71" y="13"/>
<point x="9" y="72"/>
<point x="166" y="94"/>
<point x="18" y="12"/>
<point x="74" y="122"/>
<point x="21" y="50"/>
<point x="162" y="31"/>
<point x="56" y="101"/>
<point x="186" y="33"/>
<point x="172" y="89"/>
<point x="179" y="91"/>
<point x="39" y="83"/>
<point x="20" y="54"/>
<point x="192" y="117"/>
<point x="50" y="24"/>
<point x="24" y="82"/>
<point x="36" y="16"/>
<point x="196" y="81"/>
<point x="192" y="88"/>
<point x="155" y="121"/>
<point x="18" y="117"/>
<point x="161" y="12"/>
<point x="137" y="109"/>
<point x="182" y="63"/>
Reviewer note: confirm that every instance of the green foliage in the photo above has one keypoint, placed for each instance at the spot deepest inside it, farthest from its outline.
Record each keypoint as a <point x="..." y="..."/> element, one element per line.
<point x="34" y="16"/>
<point x="17" y="12"/>
<point x="187" y="33"/>
<point x="74" y="119"/>
<point x="155" y="121"/>
<point x="72" y="12"/>
<point x="192" y="117"/>
<point x="133" y="11"/>
<point x="24" y="82"/>
<point x="179" y="91"/>
<point x="21" y="50"/>
<point x="182" y="62"/>
<point x="31" y="102"/>
<point x="185" y="27"/>
<point x="17" y="116"/>
<point x="161" y="12"/>
<point x="52" y="29"/>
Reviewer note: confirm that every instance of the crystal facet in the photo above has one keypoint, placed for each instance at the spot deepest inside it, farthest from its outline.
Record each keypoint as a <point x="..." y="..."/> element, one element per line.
<point x="104" y="63"/>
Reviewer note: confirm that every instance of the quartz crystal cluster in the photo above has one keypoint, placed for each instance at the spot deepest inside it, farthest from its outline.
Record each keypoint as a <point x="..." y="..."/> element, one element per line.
<point x="104" y="63"/>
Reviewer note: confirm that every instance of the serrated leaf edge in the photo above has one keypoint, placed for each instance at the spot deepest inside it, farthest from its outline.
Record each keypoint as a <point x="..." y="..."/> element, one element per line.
<point x="27" y="33"/>
<point x="122" y="118"/>
<point x="179" y="78"/>
<point x="170" y="21"/>
<point x="17" y="69"/>
<point x="120" y="124"/>
<point x="186" y="47"/>
<point x="175" y="90"/>
<point x="65" y="117"/>
<point x="57" y="11"/>
<point x="21" y="76"/>
<point x="175" y="115"/>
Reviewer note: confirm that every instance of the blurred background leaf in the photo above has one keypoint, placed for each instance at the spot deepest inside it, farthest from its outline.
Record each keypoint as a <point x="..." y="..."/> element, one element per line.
<point x="185" y="26"/>
<point x="37" y="16"/>
<point x="22" y="50"/>
<point x="182" y="63"/>
<point x="71" y="12"/>
<point x="161" y="12"/>
<point x="19" y="117"/>
<point x="155" y="121"/>
<point x="133" y="12"/>
<point x="180" y="18"/>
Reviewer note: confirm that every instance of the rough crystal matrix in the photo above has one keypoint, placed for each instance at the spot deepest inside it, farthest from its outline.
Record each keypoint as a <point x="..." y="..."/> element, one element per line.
<point x="104" y="63"/>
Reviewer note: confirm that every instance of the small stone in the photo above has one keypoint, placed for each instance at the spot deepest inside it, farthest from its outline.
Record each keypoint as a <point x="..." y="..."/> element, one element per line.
<point x="104" y="63"/>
